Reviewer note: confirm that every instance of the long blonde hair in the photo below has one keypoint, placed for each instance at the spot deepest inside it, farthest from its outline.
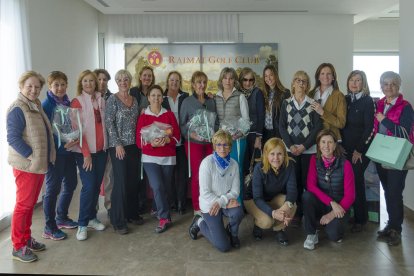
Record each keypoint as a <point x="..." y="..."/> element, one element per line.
<point x="270" y="145"/>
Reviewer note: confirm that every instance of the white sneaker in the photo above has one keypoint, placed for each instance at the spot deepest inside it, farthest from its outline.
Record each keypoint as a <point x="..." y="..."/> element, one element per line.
<point x="82" y="233"/>
<point x="310" y="241"/>
<point x="96" y="224"/>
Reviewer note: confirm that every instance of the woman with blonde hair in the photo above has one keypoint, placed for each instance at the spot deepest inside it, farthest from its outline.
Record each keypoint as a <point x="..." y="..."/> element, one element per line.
<point x="219" y="190"/>
<point x="121" y="120"/>
<point x="274" y="191"/>
<point x="231" y="105"/>
<point x="196" y="148"/>
<point x="356" y="138"/>
<point x="299" y="124"/>
<point x="91" y="155"/>
<point x="31" y="149"/>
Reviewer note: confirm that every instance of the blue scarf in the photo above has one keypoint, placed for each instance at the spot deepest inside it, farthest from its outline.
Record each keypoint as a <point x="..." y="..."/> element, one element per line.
<point x="222" y="164"/>
<point x="65" y="101"/>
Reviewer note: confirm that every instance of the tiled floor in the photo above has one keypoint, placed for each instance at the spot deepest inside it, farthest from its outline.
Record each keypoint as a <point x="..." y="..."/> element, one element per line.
<point x="142" y="252"/>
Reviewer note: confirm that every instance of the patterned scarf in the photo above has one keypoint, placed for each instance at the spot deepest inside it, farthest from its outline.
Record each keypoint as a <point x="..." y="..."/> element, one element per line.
<point x="222" y="164"/>
<point x="64" y="101"/>
<point x="247" y="92"/>
<point x="327" y="162"/>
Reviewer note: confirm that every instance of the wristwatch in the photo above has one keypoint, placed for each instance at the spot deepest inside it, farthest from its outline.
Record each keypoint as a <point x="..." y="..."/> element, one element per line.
<point x="289" y="204"/>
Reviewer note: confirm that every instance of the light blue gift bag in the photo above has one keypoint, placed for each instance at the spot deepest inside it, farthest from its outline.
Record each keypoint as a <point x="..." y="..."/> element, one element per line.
<point x="389" y="151"/>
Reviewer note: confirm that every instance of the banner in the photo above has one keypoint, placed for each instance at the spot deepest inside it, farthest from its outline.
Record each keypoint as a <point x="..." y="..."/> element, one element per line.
<point x="209" y="58"/>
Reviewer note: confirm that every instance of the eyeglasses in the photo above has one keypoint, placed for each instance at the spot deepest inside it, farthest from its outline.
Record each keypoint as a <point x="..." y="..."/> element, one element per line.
<point x="222" y="145"/>
<point x="299" y="81"/>
<point x="249" y="80"/>
<point x="122" y="80"/>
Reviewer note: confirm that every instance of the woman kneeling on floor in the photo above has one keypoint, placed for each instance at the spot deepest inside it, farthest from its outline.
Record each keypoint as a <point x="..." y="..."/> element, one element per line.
<point x="330" y="191"/>
<point x="219" y="190"/>
<point x="273" y="191"/>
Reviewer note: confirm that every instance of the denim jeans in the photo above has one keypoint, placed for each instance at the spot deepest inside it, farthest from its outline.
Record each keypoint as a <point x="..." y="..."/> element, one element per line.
<point x="91" y="182"/>
<point x="213" y="229"/>
<point x="61" y="175"/>
<point x="160" y="177"/>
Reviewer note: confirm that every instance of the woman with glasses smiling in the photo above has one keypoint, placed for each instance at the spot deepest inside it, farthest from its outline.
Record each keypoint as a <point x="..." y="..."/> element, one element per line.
<point x="394" y="114"/>
<point x="330" y="190"/>
<point x="121" y="119"/>
<point x="219" y="189"/>
<point x="255" y="100"/>
<point x="298" y="125"/>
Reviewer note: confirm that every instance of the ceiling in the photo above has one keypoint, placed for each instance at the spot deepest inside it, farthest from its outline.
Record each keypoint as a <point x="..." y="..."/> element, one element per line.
<point x="361" y="9"/>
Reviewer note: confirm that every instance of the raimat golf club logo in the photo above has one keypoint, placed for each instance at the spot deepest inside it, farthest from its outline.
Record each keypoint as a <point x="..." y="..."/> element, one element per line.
<point x="154" y="57"/>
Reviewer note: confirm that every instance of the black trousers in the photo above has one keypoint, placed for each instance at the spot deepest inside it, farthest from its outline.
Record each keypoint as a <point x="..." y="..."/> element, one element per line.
<point x="301" y="172"/>
<point x="313" y="210"/>
<point x="360" y="203"/>
<point x="179" y="186"/>
<point x="393" y="183"/>
<point x="250" y="140"/>
<point x="142" y="187"/>
<point x="124" y="196"/>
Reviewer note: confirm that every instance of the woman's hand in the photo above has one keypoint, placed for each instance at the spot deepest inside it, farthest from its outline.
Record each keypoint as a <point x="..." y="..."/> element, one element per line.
<point x="293" y="150"/>
<point x="258" y="142"/>
<point x="160" y="142"/>
<point x="71" y="144"/>
<point x="232" y="203"/>
<point x="327" y="218"/>
<point x="278" y="214"/>
<point x="317" y="107"/>
<point x="237" y="135"/>
<point x="120" y="152"/>
<point x="87" y="163"/>
<point x="356" y="156"/>
<point x="300" y="149"/>
<point x="379" y="116"/>
<point x="337" y="210"/>
<point x="214" y="209"/>
<point x="195" y="136"/>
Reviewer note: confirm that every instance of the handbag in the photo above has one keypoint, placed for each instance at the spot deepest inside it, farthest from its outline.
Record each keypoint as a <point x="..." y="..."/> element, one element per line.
<point x="391" y="152"/>
<point x="409" y="164"/>
<point x="248" y="193"/>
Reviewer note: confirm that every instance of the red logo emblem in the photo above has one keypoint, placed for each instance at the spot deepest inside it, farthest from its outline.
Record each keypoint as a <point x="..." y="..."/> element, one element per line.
<point x="154" y="58"/>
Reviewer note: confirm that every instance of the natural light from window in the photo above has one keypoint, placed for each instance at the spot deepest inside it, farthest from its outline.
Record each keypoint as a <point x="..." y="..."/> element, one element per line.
<point x="374" y="66"/>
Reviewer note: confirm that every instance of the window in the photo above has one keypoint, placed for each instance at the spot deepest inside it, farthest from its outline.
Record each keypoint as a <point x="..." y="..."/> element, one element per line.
<point x="374" y="65"/>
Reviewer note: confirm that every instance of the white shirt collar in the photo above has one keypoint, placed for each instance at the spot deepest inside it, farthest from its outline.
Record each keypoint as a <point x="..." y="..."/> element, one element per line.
<point x="306" y="99"/>
<point x="149" y="112"/>
<point x="325" y="95"/>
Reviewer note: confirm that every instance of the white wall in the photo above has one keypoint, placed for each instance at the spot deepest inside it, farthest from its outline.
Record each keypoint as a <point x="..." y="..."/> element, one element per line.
<point x="377" y="36"/>
<point x="64" y="36"/>
<point x="305" y="41"/>
<point x="407" y="75"/>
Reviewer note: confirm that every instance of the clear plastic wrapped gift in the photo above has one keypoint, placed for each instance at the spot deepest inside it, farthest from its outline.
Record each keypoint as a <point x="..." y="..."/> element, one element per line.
<point x="202" y="124"/>
<point x="66" y="124"/>
<point x="239" y="126"/>
<point x="155" y="130"/>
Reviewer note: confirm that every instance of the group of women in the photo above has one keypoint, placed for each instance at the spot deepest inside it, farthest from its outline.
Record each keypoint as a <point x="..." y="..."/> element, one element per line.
<point x="313" y="142"/>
